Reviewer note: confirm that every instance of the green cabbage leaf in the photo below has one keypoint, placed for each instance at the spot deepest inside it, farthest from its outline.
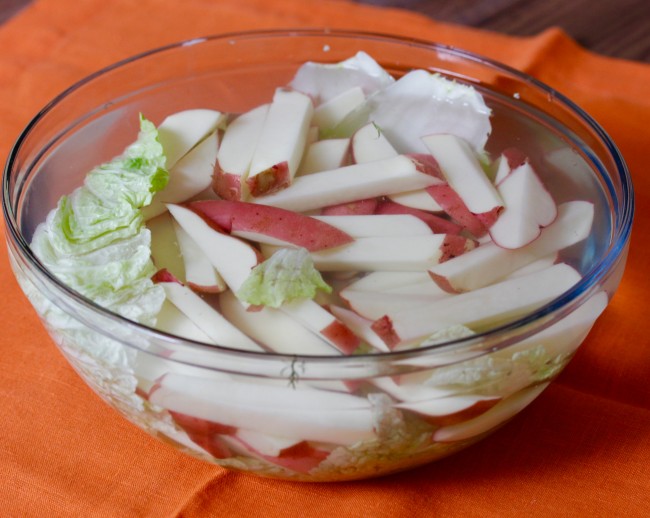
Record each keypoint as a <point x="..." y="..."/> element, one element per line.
<point x="95" y="240"/>
<point x="289" y="274"/>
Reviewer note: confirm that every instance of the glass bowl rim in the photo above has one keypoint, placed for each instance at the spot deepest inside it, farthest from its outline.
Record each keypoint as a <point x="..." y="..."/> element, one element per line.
<point x="565" y="303"/>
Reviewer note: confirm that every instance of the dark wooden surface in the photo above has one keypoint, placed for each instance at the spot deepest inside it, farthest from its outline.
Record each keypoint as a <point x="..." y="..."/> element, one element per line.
<point x="618" y="28"/>
<point x="8" y="8"/>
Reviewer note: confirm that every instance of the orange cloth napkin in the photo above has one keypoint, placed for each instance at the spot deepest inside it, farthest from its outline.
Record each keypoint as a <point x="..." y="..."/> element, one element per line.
<point x="583" y="448"/>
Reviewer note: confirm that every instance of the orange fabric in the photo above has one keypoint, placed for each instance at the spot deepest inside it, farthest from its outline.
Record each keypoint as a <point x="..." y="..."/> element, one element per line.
<point x="583" y="448"/>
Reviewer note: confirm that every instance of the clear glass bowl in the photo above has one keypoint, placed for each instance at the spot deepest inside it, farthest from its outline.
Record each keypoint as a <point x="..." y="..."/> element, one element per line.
<point x="313" y="418"/>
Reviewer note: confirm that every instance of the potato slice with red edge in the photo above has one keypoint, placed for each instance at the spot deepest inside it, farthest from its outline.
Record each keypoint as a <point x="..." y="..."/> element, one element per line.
<point x="437" y="224"/>
<point x="489" y="262"/>
<point x="280" y="410"/>
<point x="488" y="306"/>
<point x="350" y="183"/>
<point x="236" y="152"/>
<point x="392" y="253"/>
<point x="463" y="172"/>
<point x="294" y="454"/>
<point x="529" y="207"/>
<point x="200" y="274"/>
<point x="232" y="257"/>
<point x="204" y="316"/>
<point x="281" y="144"/>
<point x="266" y="224"/>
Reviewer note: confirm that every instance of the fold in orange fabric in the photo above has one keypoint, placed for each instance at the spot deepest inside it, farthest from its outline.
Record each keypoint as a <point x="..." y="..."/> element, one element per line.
<point x="583" y="448"/>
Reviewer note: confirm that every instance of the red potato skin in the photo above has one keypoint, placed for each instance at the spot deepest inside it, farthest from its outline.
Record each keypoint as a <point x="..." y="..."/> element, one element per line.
<point x="139" y="391"/>
<point x="443" y="283"/>
<point x="201" y="426"/>
<point x="301" y="457"/>
<point x="446" y="197"/>
<point x="214" y="225"/>
<point x="437" y="224"/>
<point x="228" y="186"/>
<point x="219" y="216"/>
<point x="453" y="246"/>
<point x="451" y="203"/>
<point x="353" y="385"/>
<point x="271" y="180"/>
<point x="427" y="164"/>
<point x="384" y="328"/>
<point x="340" y="335"/>
<point x="210" y="442"/>
<point x="282" y="224"/>
<point x="487" y="219"/>
<point x="355" y="208"/>
<point x="454" y="206"/>
<point x="164" y="275"/>
<point x="202" y="432"/>
<point x="204" y="289"/>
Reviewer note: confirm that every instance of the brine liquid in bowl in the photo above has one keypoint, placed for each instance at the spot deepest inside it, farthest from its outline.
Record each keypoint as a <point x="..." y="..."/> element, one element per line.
<point x="329" y="385"/>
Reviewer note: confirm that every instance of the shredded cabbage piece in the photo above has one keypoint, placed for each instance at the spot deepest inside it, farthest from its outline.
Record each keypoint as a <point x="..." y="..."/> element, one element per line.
<point x="324" y="81"/>
<point x="421" y="103"/>
<point x="95" y="240"/>
<point x="289" y="274"/>
<point x="499" y="373"/>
